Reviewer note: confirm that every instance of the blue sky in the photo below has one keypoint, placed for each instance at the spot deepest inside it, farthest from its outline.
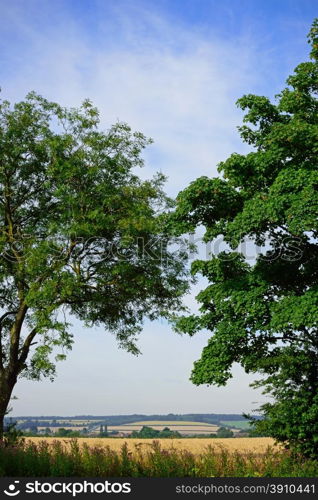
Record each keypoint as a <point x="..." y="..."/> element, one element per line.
<point x="173" y="70"/>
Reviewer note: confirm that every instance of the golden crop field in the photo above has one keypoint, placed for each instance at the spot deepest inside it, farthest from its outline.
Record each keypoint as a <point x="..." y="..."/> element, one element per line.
<point x="196" y="446"/>
<point x="184" y="427"/>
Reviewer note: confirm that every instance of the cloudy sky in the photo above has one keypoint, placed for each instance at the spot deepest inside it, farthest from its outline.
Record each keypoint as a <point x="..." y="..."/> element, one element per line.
<point x="173" y="70"/>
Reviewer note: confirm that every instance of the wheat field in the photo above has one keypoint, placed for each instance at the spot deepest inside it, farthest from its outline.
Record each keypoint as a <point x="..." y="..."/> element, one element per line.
<point x="195" y="446"/>
<point x="184" y="427"/>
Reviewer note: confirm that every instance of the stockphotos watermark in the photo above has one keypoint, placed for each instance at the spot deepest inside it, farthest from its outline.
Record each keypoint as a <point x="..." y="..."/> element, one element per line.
<point x="171" y="488"/>
<point x="96" y="250"/>
<point x="72" y="488"/>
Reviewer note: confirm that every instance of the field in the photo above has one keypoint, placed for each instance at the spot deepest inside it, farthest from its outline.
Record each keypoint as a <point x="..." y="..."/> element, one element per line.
<point x="193" y="445"/>
<point x="167" y="423"/>
<point x="184" y="427"/>
<point x="111" y="457"/>
<point x="93" y="426"/>
<point x="123" y="425"/>
<point x="240" y="424"/>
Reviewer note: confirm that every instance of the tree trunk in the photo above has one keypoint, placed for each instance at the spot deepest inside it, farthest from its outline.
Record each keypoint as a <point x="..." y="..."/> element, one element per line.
<point x="5" y="396"/>
<point x="1" y="426"/>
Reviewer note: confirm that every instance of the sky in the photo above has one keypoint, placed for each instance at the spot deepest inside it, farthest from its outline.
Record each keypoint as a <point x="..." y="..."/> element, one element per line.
<point x="172" y="70"/>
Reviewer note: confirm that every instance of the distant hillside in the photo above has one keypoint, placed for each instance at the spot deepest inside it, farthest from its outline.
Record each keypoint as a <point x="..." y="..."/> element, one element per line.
<point x="209" y="418"/>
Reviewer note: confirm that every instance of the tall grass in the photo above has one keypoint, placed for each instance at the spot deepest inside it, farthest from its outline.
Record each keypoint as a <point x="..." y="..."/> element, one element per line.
<point x="70" y="459"/>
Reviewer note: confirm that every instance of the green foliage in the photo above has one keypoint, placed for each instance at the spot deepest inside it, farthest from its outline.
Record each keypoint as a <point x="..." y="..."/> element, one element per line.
<point x="149" y="432"/>
<point x="62" y="432"/>
<point x="102" y="431"/>
<point x="223" y="432"/>
<point x="264" y="313"/>
<point x="168" y="433"/>
<point x="145" y="432"/>
<point x="72" y="460"/>
<point x="293" y="416"/>
<point x="80" y="234"/>
<point x="12" y="436"/>
<point x="238" y="424"/>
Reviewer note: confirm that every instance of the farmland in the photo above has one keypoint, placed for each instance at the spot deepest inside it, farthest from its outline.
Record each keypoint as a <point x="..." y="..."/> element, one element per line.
<point x="238" y="424"/>
<point x="148" y="458"/>
<point x="124" y="425"/>
<point x="183" y="427"/>
<point x="193" y="445"/>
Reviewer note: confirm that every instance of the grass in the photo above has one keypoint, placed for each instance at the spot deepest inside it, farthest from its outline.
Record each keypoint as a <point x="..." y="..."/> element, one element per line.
<point x="75" y="459"/>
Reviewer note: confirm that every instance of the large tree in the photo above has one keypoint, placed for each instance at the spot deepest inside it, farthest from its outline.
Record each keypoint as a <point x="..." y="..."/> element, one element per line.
<point x="264" y="312"/>
<point x="80" y="235"/>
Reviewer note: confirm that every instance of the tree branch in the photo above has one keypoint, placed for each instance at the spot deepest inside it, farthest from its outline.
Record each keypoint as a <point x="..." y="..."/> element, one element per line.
<point x="15" y="334"/>
<point x="7" y="314"/>
<point x="2" y="318"/>
<point x="24" y="351"/>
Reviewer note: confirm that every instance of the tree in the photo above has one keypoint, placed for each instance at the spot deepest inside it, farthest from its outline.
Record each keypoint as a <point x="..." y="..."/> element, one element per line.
<point x="33" y="429"/>
<point x="80" y="236"/>
<point x="168" y="433"/>
<point x="264" y="313"/>
<point x="293" y="416"/>
<point x="62" y="432"/>
<point x="146" y="432"/>
<point x="103" y="431"/>
<point x="11" y="435"/>
<point x="223" y="432"/>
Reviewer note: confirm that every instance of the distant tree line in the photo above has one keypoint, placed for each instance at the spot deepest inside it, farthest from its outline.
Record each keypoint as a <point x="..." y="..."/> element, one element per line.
<point x="149" y="432"/>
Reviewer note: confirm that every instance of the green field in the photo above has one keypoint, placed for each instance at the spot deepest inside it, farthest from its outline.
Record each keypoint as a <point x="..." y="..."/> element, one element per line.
<point x="239" y="424"/>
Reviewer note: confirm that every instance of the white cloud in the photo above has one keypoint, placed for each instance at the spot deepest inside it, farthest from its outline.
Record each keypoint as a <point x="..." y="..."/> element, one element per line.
<point x="175" y="86"/>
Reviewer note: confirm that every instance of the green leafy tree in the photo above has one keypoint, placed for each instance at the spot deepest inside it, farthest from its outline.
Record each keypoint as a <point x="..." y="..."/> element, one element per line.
<point x="62" y="432"/>
<point x="292" y="417"/>
<point x="103" y="431"/>
<point x="264" y="312"/>
<point x="146" y="432"/>
<point x="168" y="433"/>
<point x="11" y="435"/>
<point x="223" y="432"/>
<point x="149" y="432"/>
<point x="33" y="429"/>
<point x="80" y="236"/>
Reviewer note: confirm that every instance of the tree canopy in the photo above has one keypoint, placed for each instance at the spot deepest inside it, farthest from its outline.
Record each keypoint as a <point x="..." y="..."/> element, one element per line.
<point x="81" y="235"/>
<point x="265" y="311"/>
